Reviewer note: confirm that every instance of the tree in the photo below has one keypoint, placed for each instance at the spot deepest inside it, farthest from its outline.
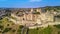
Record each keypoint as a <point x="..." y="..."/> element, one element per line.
<point x="58" y="32"/>
<point x="35" y="12"/>
<point x="7" y="29"/>
<point x="0" y="21"/>
<point x="13" y="30"/>
<point x="8" y="24"/>
<point x="1" y="27"/>
<point x="47" y="8"/>
<point x="21" y="26"/>
<point x="8" y="12"/>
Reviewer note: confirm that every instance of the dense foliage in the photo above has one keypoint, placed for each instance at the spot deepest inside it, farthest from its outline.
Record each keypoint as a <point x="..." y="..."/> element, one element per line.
<point x="57" y="26"/>
<point x="55" y="8"/>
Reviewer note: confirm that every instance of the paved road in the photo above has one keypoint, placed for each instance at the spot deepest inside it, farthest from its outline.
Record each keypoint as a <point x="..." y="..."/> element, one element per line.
<point x="23" y="30"/>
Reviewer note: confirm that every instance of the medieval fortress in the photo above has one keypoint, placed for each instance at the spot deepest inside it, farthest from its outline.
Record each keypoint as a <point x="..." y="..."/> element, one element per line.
<point x="32" y="16"/>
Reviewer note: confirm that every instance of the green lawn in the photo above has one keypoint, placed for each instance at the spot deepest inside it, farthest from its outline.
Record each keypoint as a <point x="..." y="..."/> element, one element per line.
<point x="33" y="31"/>
<point x="47" y="30"/>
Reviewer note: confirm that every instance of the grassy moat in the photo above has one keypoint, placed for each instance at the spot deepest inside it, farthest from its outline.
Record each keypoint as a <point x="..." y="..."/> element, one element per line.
<point x="8" y="27"/>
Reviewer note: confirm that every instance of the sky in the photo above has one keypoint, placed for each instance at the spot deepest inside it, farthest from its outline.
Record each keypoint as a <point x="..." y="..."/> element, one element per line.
<point x="28" y="3"/>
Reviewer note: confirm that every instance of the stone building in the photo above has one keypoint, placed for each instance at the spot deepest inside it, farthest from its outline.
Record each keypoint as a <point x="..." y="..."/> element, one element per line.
<point x="26" y="15"/>
<point x="33" y="16"/>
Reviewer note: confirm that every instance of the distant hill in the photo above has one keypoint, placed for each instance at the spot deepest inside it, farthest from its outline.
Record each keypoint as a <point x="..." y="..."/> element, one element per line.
<point x="52" y="7"/>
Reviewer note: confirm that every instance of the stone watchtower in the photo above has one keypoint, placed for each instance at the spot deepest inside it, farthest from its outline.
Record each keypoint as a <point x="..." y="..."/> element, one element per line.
<point x="29" y="15"/>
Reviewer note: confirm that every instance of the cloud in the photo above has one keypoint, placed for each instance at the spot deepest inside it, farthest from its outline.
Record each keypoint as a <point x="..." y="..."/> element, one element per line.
<point x="35" y="0"/>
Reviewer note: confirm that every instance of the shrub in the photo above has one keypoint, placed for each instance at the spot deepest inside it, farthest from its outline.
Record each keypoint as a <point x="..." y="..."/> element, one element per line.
<point x="58" y="26"/>
<point x="0" y="21"/>
<point x="13" y="30"/>
<point x="0" y="31"/>
<point x="36" y="12"/>
<point x="1" y="27"/>
<point x="7" y="29"/>
<point x="59" y="32"/>
<point x="7" y="24"/>
<point x="19" y="31"/>
<point x="21" y="26"/>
